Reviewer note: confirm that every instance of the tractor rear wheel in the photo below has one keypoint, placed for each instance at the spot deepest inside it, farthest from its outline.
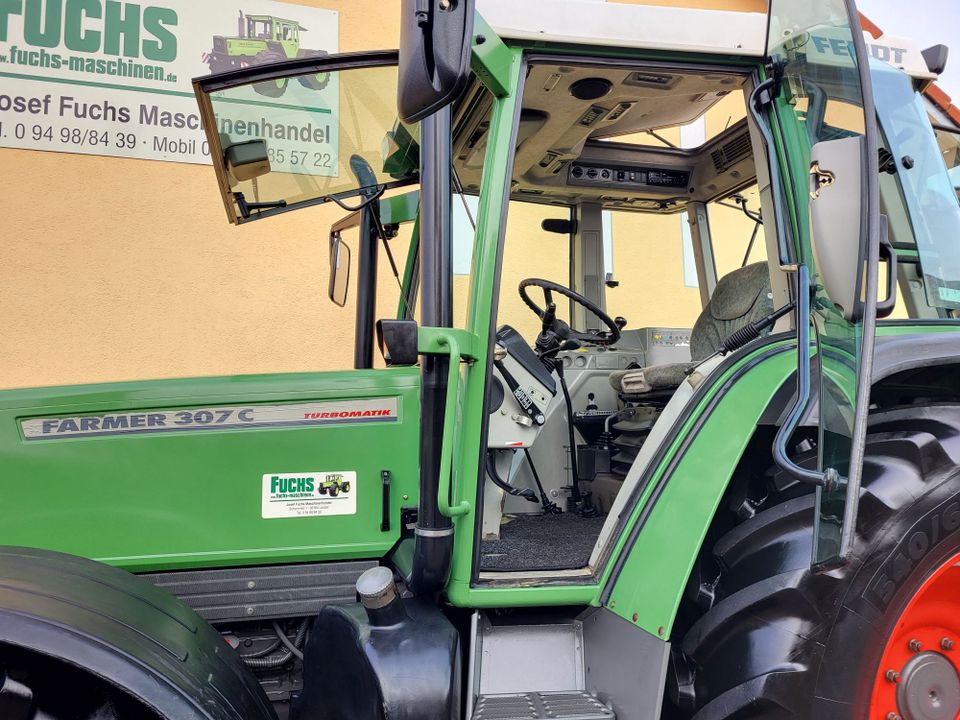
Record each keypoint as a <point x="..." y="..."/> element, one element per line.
<point x="877" y="639"/>
<point x="317" y="81"/>
<point x="270" y="88"/>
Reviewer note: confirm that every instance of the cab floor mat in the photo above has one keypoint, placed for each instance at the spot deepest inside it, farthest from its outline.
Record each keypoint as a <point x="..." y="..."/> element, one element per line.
<point x="541" y="542"/>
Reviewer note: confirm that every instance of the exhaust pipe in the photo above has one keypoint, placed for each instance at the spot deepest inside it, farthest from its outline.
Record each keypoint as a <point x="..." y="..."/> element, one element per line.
<point x="434" y="532"/>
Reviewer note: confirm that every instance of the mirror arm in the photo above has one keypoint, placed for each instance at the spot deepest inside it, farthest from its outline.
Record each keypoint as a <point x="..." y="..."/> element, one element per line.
<point x="792" y="421"/>
<point x="245" y="207"/>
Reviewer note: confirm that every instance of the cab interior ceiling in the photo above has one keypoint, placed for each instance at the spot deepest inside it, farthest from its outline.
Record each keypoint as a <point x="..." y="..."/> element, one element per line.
<point x="561" y="138"/>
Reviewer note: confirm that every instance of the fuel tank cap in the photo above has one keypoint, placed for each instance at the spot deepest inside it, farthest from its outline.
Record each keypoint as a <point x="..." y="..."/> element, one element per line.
<point x="376" y="588"/>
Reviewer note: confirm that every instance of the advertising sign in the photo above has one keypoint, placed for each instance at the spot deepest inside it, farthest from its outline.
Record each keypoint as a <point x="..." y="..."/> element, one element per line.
<point x="107" y="77"/>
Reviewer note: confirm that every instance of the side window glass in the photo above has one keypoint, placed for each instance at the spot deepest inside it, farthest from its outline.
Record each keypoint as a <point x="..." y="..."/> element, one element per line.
<point x="949" y="142"/>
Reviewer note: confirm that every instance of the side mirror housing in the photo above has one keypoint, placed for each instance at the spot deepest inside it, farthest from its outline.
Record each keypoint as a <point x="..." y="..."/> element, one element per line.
<point x="936" y="58"/>
<point x="837" y="220"/>
<point x="247" y="160"/>
<point x="397" y="340"/>
<point x="435" y="40"/>
<point x="339" y="270"/>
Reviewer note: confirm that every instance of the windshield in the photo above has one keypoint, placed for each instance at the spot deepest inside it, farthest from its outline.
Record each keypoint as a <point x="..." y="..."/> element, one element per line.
<point x="928" y="190"/>
<point x="304" y="139"/>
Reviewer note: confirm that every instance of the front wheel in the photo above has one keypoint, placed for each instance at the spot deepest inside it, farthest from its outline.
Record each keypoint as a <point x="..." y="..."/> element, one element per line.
<point x="317" y="81"/>
<point x="875" y="640"/>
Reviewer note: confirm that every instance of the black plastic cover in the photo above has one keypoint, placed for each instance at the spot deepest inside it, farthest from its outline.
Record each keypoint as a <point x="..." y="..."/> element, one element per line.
<point x="517" y="348"/>
<point x="126" y="631"/>
<point x="398" y="341"/>
<point x="435" y="44"/>
<point x="355" y="671"/>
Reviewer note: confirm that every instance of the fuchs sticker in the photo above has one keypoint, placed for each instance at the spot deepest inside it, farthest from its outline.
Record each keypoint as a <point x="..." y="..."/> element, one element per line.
<point x="309" y="494"/>
<point x="220" y="417"/>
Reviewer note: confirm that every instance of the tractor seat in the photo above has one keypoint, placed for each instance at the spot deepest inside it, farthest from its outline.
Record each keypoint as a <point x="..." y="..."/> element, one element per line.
<point x="740" y="298"/>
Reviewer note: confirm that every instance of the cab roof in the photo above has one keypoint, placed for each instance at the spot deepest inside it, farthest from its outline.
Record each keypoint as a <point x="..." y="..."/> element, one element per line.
<point x="595" y="22"/>
<point x="681" y="29"/>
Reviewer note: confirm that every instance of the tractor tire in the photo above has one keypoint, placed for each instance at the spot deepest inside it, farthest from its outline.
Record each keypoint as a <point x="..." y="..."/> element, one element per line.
<point x="877" y="638"/>
<point x="346" y="487"/>
<point x="334" y="490"/>
<point x="270" y="88"/>
<point x="317" y="81"/>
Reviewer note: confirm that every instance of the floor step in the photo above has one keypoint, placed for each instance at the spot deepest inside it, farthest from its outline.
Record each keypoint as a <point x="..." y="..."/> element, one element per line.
<point x="573" y="705"/>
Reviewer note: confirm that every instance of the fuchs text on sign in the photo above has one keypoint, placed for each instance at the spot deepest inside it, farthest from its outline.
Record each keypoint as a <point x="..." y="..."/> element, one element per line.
<point x="113" y="77"/>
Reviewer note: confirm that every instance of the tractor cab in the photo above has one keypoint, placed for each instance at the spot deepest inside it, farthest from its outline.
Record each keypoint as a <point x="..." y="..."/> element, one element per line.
<point x="643" y="244"/>
<point x="267" y="27"/>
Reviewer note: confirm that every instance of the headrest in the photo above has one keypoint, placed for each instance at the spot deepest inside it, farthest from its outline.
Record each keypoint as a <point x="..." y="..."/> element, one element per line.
<point x="737" y="292"/>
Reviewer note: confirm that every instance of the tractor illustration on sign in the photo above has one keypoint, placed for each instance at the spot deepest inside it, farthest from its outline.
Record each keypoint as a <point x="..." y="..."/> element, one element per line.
<point x="333" y="484"/>
<point x="264" y="39"/>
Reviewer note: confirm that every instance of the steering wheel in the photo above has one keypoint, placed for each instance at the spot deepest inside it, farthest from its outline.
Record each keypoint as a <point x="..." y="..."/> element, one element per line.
<point x="556" y="327"/>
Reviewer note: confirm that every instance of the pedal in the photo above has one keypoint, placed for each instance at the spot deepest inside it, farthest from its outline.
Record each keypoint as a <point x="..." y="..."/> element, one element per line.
<point x="575" y="705"/>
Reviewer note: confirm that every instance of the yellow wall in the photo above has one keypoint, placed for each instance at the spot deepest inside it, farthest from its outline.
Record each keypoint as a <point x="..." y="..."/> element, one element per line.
<point x="116" y="269"/>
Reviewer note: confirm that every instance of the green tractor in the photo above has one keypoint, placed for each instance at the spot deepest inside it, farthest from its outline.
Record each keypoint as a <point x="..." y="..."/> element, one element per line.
<point x="333" y="484"/>
<point x="568" y="499"/>
<point x="264" y="39"/>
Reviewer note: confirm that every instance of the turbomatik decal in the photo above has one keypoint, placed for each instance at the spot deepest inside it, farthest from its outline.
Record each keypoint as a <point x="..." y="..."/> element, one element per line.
<point x="309" y="494"/>
<point x="223" y="417"/>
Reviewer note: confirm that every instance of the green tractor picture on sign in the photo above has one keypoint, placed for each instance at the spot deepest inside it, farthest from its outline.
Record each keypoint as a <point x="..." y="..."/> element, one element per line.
<point x="333" y="484"/>
<point x="264" y="39"/>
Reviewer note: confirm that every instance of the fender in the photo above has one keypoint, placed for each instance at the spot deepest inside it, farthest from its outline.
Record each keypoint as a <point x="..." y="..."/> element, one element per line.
<point x="896" y="353"/>
<point x="121" y="628"/>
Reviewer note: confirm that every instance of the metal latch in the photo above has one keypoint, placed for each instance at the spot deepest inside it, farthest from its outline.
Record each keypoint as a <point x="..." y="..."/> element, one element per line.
<point x="819" y="178"/>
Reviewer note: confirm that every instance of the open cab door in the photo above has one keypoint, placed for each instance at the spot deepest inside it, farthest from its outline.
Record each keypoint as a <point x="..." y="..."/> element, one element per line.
<point x="332" y="136"/>
<point x="821" y="104"/>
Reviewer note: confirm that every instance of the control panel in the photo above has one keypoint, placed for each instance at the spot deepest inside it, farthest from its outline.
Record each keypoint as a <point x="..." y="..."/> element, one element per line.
<point x="619" y="176"/>
<point x="667" y="337"/>
<point x="636" y="348"/>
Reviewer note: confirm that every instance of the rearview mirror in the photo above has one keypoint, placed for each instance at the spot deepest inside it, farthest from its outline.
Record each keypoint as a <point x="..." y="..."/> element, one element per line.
<point x="434" y="55"/>
<point x="339" y="270"/>
<point x="837" y="221"/>
<point x="246" y="160"/>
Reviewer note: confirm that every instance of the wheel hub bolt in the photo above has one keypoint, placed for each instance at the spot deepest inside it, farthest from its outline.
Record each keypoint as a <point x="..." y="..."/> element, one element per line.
<point x="893" y="716"/>
<point x="946" y="644"/>
<point x="892" y="676"/>
<point x="915" y="646"/>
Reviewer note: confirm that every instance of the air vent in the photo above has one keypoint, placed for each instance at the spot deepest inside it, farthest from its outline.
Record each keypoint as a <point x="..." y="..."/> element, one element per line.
<point x="592" y="115"/>
<point x="651" y="80"/>
<point x="618" y="112"/>
<point x="731" y="152"/>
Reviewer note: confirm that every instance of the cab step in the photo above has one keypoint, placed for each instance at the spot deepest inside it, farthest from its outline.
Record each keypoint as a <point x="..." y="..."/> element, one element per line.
<point x="573" y="705"/>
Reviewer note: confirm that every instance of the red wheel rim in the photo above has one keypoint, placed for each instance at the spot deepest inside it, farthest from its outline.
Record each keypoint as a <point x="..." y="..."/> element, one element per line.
<point x="919" y="673"/>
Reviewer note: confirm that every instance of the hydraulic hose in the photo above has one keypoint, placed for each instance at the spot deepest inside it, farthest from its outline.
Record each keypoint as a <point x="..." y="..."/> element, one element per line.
<point x="292" y="649"/>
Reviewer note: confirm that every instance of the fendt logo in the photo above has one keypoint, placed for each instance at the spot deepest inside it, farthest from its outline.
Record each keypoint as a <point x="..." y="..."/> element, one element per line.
<point x="110" y="27"/>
